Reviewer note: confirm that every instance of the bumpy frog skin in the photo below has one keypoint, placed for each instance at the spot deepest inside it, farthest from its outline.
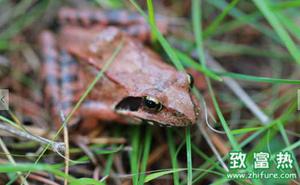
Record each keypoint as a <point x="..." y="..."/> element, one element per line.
<point x="137" y="86"/>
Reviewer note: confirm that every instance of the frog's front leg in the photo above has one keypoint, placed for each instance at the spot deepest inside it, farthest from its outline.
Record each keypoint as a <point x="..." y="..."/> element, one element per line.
<point x="130" y="22"/>
<point x="104" y="112"/>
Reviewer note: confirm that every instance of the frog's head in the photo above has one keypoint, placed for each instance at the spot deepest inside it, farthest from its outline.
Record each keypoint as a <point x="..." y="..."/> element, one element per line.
<point x="169" y="103"/>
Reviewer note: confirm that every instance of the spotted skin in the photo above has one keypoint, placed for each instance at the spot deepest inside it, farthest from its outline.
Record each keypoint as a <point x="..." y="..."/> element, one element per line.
<point x="50" y="73"/>
<point x="70" y="85"/>
<point x="60" y="79"/>
<point x="131" y="22"/>
<point x="102" y="17"/>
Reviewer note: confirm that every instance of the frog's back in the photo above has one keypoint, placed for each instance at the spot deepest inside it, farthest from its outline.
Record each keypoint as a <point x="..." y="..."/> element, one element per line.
<point x="136" y="66"/>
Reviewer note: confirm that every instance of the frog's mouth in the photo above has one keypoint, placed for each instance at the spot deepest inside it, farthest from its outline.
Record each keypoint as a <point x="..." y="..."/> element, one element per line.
<point x="151" y="122"/>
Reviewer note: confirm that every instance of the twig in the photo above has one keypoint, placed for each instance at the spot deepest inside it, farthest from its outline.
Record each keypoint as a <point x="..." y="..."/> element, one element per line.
<point x="108" y="140"/>
<point x="42" y="179"/>
<point x="66" y="141"/>
<point x="203" y="130"/>
<point x="238" y="91"/>
<point x="55" y="146"/>
<point x="81" y="142"/>
<point x="11" y="159"/>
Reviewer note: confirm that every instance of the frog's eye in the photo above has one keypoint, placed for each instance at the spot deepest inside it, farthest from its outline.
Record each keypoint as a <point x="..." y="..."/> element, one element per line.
<point x="190" y="80"/>
<point x="152" y="104"/>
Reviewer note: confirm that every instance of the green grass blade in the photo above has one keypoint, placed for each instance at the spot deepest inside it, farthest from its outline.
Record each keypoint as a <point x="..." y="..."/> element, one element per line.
<point x="193" y="64"/>
<point x="221" y="49"/>
<point x="197" y="28"/>
<point x="214" y="25"/>
<point x="134" y="155"/>
<point x="290" y="24"/>
<point x="259" y="79"/>
<point x="173" y="156"/>
<point x="288" y="144"/>
<point x="286" y="4"/>
<point x="245" y="130"/>
<point x="24" y="20"/>
<point x="54" y="169"/>
<point x="215" y="75"/>
<point x="146" y="151"/>
<point x="4" y="119"/>
<point x="189" y="156"/>
<point x="228" y="132"/>
<point x="292" y="146"/>
<point x="282" y="33"/>
<point x="151" y="16"/>
<point x="244" y="18"/>
<point x="167" y="47"/>
<point x="156" y="175"/>
<point x="86" y="181"/>
<point x="108" y="164"/>
<point x="283" y="118"/>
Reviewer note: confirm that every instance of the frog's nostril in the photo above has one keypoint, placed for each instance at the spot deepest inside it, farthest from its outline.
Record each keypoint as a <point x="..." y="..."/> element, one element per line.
<point x="129" y="103"/>
<point x="190" y="80"/>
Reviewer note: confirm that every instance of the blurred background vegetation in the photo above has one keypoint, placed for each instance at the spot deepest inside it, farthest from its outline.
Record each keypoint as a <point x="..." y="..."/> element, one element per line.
<point x="256" y="41"/>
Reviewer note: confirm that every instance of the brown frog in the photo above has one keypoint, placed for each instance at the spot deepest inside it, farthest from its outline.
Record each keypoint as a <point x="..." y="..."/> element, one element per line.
<point x="138" y="86"/>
